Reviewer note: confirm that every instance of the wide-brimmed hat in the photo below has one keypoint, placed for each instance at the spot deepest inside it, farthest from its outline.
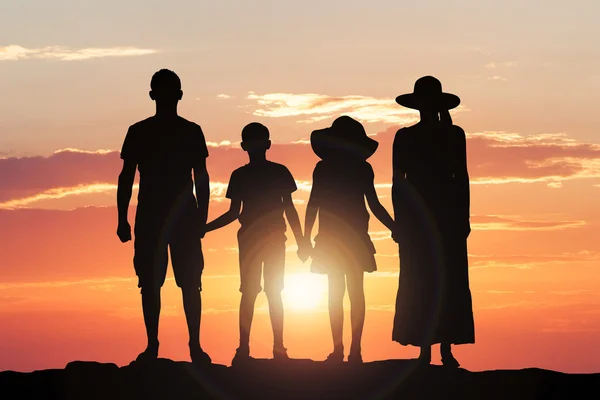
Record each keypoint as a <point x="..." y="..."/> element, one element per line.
<point x="345" y="137"/>
<point x="428" y="95"/>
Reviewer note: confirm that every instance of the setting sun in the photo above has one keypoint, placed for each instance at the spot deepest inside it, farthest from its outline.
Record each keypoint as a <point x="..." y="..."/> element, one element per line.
<point x="304" y="291"/>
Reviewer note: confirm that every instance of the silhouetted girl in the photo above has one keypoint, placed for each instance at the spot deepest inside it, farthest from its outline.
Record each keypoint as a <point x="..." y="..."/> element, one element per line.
<point x="343" y="249"/>
<point x="431" y="199"/>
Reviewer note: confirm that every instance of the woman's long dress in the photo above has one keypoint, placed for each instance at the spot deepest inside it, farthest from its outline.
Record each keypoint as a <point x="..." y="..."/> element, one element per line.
<point x="431" y="205"/>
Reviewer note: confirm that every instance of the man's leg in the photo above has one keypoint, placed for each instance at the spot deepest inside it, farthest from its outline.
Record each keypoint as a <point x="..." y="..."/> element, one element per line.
<point x="274" y="271"/>
<point x="188" y="264"/>
<point x="150" y="262"/>
<point x="151" y="310"/>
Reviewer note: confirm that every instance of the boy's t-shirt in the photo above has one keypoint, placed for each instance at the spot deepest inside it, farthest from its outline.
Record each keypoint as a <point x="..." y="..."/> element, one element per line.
<point x="165" y="152"/>
<point x="261" y="187"/>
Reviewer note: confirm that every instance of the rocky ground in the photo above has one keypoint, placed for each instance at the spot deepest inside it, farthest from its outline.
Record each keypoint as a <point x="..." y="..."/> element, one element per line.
<point x="296" y="379"/>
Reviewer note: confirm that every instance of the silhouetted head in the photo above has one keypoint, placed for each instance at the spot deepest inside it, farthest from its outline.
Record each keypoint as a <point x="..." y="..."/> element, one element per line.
<point x="165" y="87"/>
<point x="255" y="138"/>
<point x="345" y="138"/>
<point x="428" y="96"/>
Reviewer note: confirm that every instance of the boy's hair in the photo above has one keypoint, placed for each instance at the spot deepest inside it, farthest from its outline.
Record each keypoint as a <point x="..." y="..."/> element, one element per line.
<point x="255" y="132"/>
<point x="165" y="79"/>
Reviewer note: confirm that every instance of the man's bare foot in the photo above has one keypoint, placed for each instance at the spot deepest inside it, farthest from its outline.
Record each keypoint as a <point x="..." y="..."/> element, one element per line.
<point x="150" y="354"/>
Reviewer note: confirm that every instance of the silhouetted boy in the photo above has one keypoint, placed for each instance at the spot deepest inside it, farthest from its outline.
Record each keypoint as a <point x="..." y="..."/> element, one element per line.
<point x="264" y="189"/>
<point x="166" y="148"/>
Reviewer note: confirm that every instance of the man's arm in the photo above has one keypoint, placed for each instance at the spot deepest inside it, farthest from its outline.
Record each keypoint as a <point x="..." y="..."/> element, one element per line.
<point x="201" y="182"/>
<point x="124" y="191"/>
<point x="228" y="217"/>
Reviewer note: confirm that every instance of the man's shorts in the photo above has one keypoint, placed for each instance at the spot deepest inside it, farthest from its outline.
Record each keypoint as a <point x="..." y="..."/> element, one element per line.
<point x="261" y="253"/>
<point x="153" y="237"/>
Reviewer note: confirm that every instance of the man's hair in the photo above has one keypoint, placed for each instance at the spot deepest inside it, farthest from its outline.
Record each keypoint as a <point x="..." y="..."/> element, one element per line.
<point x="255" y="131"/>
<point x="165" y="79"/>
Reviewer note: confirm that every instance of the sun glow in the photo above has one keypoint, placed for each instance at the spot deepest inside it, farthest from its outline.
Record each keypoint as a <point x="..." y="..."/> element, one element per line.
<point x="304" y="291"/>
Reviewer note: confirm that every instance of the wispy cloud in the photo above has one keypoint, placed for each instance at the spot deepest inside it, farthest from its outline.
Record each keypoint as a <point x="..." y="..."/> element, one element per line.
<point x="15" y="52"/>
<point x="518" y="223"/>
<point x="224" y="96"/>
<point x="316" y="107"/>
<point x="58" y="193"/>
<point x="506" y="157"/>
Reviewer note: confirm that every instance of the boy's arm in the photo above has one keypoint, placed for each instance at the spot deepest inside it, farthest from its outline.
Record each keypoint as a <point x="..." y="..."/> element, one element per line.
<point x="231" y="215"/>
<point x="292" y="217"/>
<point x="201" y="182"/>
<point x="124" y="191"/>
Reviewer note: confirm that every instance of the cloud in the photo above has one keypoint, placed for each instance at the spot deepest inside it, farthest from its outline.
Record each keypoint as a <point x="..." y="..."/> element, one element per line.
<point x="504" y="157"/>
<point x="493" y="158"/>
<point x="517" y="223"/>
<point x="497" y="78"/>
<point x="316" y="107"/>
<point x="224" y="96"/>
<point x="495" y="65"/>
<point x="16" y="52"/>
<point x="522" y="261"/>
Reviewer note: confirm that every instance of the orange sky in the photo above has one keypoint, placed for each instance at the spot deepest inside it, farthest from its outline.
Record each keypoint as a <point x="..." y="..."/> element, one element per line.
<point x="528" y="80"/>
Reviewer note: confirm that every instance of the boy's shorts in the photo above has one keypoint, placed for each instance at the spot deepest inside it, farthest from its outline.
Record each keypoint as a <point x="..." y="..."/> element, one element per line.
<point x="254" y="251"/>
<point x="151" y="257"/>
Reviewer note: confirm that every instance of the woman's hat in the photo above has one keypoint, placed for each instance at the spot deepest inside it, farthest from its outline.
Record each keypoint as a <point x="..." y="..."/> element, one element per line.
<point x="428" y="95"/>
<point x="346" y="136"/>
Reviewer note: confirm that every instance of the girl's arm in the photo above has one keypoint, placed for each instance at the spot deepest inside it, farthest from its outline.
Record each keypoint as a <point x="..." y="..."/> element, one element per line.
<point x="379" y="210"/>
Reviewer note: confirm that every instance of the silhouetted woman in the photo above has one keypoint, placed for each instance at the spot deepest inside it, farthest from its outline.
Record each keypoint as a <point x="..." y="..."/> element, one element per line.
<point x="431" y="204"/>
<point x="343" y="249"/>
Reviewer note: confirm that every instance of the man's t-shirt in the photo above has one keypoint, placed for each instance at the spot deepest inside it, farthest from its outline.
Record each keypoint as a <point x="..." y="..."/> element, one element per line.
<point x="165" y="152"/>
<point x="261" y="187"/>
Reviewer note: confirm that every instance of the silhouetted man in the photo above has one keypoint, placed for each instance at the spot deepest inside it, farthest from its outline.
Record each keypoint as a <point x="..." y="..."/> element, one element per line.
<point x="166" y="148"/>
<point x="264" y="190"/>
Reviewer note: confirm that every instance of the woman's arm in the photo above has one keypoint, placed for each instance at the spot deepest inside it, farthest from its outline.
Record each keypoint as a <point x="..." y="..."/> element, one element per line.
<point x="399" y="183"/>
<point x="461" y="175"/>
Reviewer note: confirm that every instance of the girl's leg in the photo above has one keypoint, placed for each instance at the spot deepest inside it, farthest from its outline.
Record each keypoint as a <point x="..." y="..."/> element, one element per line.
<point x="357" y="309"/>
<point x="337" y="289"/>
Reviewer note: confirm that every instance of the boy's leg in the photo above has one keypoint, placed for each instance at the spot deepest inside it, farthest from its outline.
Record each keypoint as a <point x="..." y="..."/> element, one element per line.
<point x="150" y="262"/>
<point x="250" y="259"/>
<point x="356" y="293"/>
<point x="337" y="289"/>
<point x="274" y="272"/>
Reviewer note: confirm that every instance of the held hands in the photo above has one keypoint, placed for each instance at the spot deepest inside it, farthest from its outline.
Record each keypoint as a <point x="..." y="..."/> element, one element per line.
<point x="304" y="249"/>
<point x="124" y="231"/>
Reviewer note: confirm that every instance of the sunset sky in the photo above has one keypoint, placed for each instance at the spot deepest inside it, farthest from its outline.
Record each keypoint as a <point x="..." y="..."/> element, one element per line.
<point x="75" y="74"/>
